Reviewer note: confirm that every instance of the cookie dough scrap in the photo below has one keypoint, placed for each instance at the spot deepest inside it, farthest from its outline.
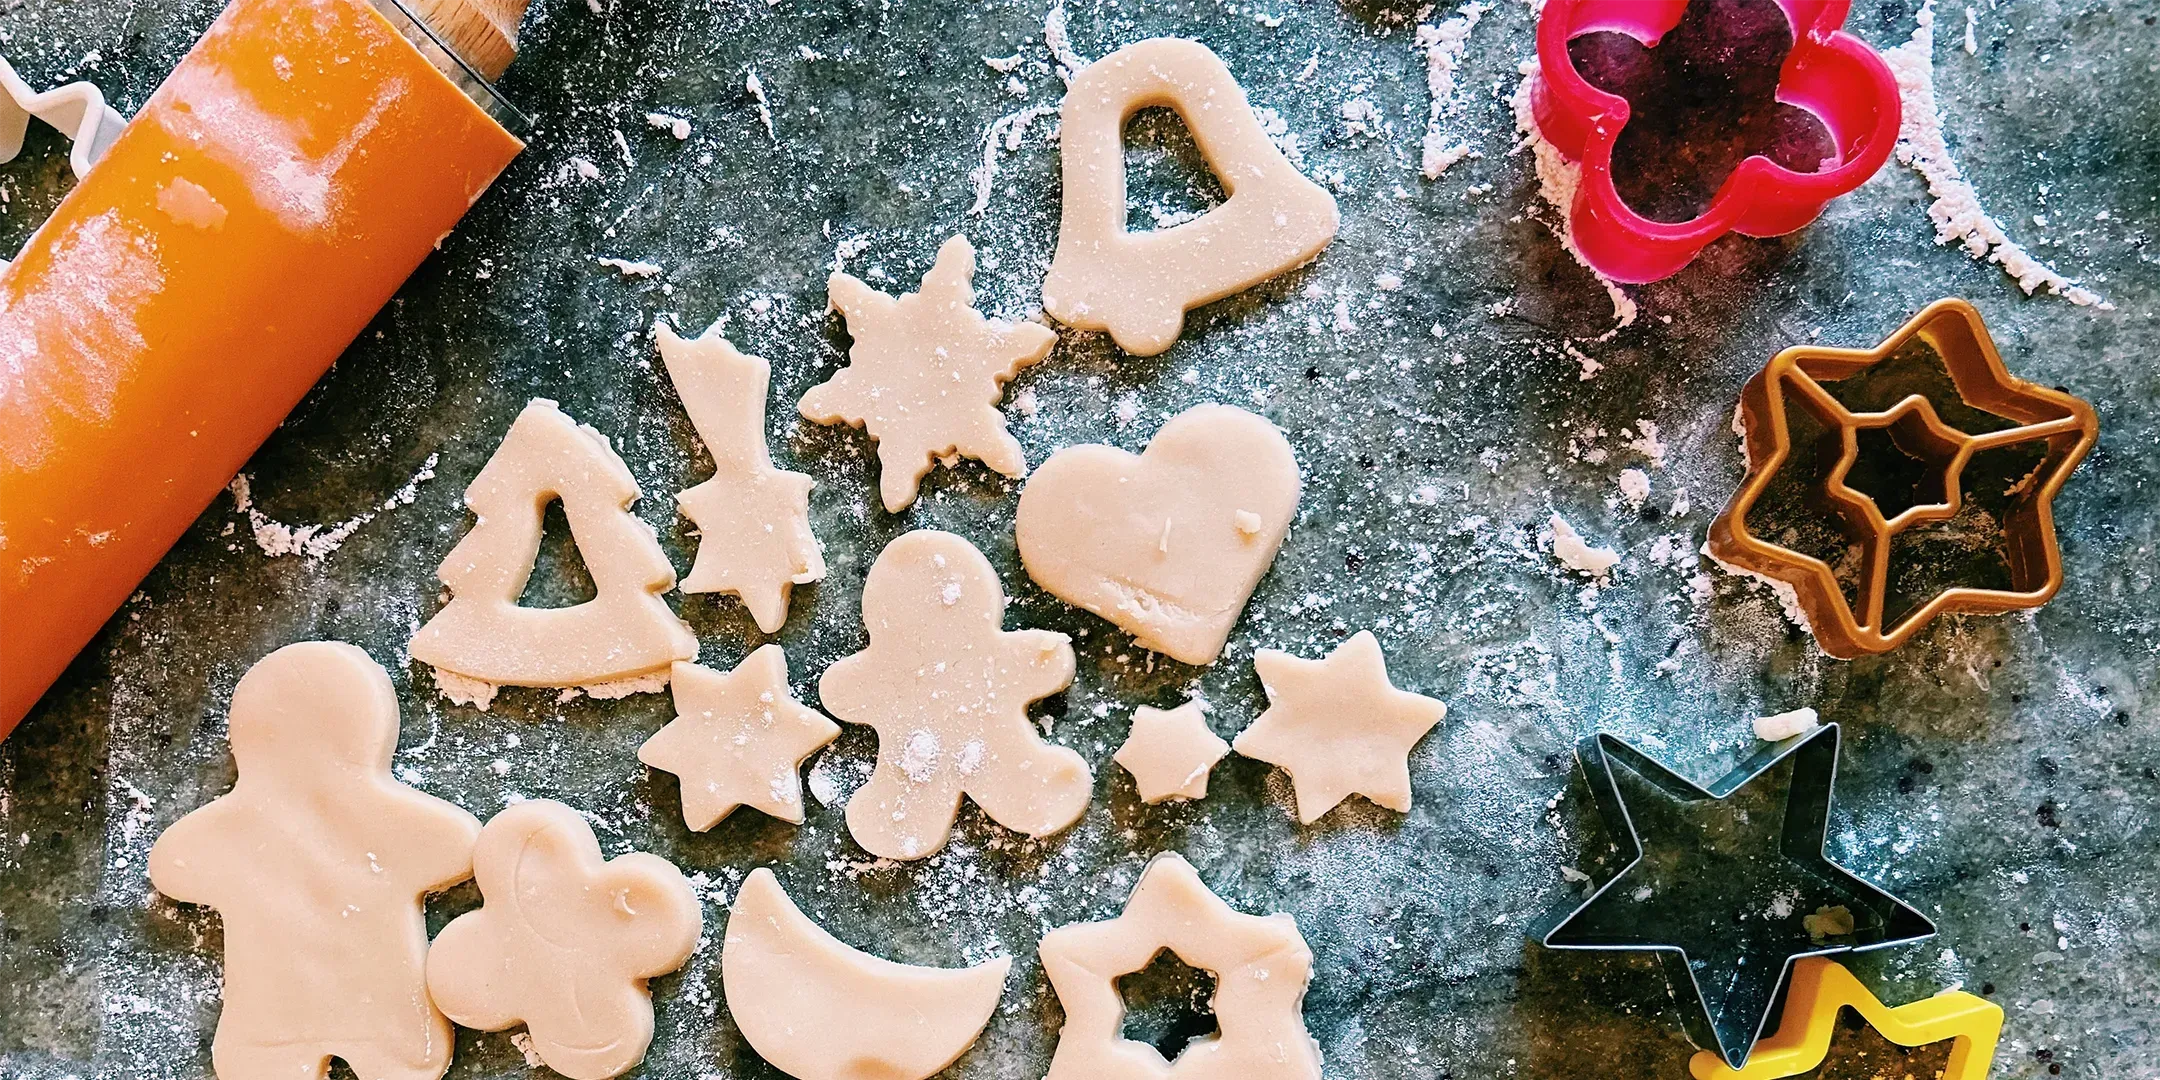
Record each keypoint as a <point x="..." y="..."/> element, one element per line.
<point x="948" y="691"/>
<point x="738" y="739"/>
<point x="1139" y="286"/>
<point x="622" y="640"/>
<point x="563" y="941"/>
<point x="1170" y="752"/>
<point x="318" y="862"/>
<point x="819" y="1010"/>
<point x="926" y="373"/>
<point x="753" y="519"/>
<point x="1168" y="544"/>
<point x="1338" y="726"/>
<point x="1261" y="966"/>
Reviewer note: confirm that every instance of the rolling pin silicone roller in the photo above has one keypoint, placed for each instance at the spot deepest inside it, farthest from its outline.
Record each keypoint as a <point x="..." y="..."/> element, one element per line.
<point x="286" y="178"/>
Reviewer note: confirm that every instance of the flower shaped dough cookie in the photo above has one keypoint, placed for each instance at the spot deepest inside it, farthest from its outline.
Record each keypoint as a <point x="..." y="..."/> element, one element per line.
<point x="948" y="691"/>
<point x="564" y="942"/>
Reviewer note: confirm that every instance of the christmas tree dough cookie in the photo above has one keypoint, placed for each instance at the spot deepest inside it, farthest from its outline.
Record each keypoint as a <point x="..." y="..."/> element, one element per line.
<point x="1338" y="726"/>
<point x="1167" y="544"/>
<point x="738" y="739"/>
<point x="753" y="519"/>
<point x="563" y="941"/>
<point x="925" y="374"/>
<point x="1139" y="285"/>
<point x="947" y="690"/>
<point x="1169" y="752"/>
<point x="621" y="641"/>
<point x="318" y="862"/>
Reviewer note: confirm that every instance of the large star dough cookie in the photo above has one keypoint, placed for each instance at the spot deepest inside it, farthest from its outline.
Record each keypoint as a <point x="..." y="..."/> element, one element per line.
<point x="1261" y="966"/>
<point x="948" y="691"/>
<point x="1167" y="544"/>
<point x="925" y="374"/>
<point x="624" y="638"/>
<point x="563" y="941"/>
<point x="318" y="861"/>
<point x="1338" y="726"/>
<point x="753" y="519"/>
<point x="1139" y="286"/>
<point x="737" y="739"/>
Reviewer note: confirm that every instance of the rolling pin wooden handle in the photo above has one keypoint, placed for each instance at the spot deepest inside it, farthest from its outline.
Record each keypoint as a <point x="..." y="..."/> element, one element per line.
<point x="483" y="33"/>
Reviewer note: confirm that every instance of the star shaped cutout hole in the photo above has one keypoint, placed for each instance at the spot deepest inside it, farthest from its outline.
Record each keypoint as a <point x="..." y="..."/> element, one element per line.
<point x="1902" y="482"/>
<point x="738" y="739"/>
<point x="1729" y="885"/>
<point x="1338" y="726"/>
<point x="1169" y="752"/>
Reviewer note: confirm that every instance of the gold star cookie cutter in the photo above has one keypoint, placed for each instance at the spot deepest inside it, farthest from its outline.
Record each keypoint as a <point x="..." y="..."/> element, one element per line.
<point x="1959" y="448"/>
<point x="1822" y="988"/>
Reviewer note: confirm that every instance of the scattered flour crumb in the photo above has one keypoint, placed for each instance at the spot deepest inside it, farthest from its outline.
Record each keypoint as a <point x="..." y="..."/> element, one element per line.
<point x="275" y="538"/>
<point x="464" y="691"/>
<point x="1443" y="46"/>
<point x="651" y="683"/>
<point x="1569" y="547"/>
<point x="673" y="125"/>
<point x="1785" y="725"/>
<point x="630" y="268"/>
<point x="523" y="1039"/>
<point x="1635" y="487"/>
<point x="756" y="90"/>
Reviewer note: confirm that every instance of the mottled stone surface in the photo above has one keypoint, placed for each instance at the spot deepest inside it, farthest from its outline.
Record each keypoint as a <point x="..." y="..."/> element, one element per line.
<point x="1998" y="773"/>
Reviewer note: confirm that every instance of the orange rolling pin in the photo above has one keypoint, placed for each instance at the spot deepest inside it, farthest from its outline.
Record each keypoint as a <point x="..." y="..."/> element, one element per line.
<point x="293" y="170"/>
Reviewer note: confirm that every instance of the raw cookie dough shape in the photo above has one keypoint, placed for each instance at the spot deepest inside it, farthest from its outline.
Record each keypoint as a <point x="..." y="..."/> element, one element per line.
<point x="563" y="942"/>
<point x="1169" y="752"/>
<point x="738" y="739"/>
<point x="1338" y="726"/>
<point x="318" y="861"/>
<point x="1261" y="966"/>
<point x="948" y="691"/>
<point x="753" y="519"/>
<point x="925" y="374"/>
<point x="819" y="1010"/>
<point x="625" y="632"/>
<point x="1139" y="286"/>
<point x="1170" y="543"/>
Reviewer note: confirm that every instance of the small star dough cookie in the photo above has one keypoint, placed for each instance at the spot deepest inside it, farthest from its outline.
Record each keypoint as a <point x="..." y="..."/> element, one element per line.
<point x="1170" y="543"/>
<point x="1139" y="285"/>
<point x="925" y="374"/>
<point x="1338" y="726"/>
<point x="621" y="641"/>
<point x="819" y="1010"/>
<point x="1261" y="966"/>
<point x="753" y="520"/>
<point x="563" y="942"/>
<point x="317" y="860"/>
<point x="948" y="691"/>
<point x="1170" y="752"/>
<point x="738" y="739"/>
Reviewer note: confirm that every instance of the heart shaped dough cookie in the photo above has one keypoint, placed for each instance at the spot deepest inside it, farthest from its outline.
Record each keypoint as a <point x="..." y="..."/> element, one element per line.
<point x="1167" y="543"/>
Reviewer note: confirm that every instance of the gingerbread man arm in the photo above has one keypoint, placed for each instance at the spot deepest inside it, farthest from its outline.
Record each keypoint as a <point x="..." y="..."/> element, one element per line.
<point x="179" y="867"/>
<point x="435" y="837"/>
<point x="1042" y="660"/>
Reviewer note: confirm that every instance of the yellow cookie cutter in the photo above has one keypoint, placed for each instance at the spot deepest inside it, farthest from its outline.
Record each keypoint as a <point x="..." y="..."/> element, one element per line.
<point x="1821" y="987"/>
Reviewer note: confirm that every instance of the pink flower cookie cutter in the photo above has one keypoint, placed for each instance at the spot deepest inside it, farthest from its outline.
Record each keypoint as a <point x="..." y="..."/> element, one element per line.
<point x="1829" y="73"/>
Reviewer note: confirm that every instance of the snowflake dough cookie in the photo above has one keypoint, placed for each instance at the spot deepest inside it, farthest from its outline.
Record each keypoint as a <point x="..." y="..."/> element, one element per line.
<point x="317" y="861"/>
<point x="621" y="641"/>
<point x="1170" y="543"/>
<point x="925" y="374"/>
<point x="1170" y="752"/>
<point x="753" y="519"/>
<point x="1338" y="726"/>
<point x="1139" y="286"/>
<point x="738" y="739"/>
<point x="563" y="942"/>
<point x="1261" y="966"/>
<point x="819" y="1010"/>
<point x="948" y="691"/>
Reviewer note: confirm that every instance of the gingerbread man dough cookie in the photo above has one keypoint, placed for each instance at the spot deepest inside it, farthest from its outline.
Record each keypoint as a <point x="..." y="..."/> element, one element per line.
<point x="947" y="690"/>
<point x="318" y="862"/>
<point x="738" y="739"/>
<point x="1338" y="726"/>
<point x="925" y="374"/>
<point x="564" y="942"/>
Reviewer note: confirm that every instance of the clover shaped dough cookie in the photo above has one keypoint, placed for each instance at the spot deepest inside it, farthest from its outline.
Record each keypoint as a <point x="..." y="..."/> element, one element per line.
<point x="1261" y="966"/>
<point x="563" y="941"/>
<point x="318" y="861"/>
<point x="947" y="690"/>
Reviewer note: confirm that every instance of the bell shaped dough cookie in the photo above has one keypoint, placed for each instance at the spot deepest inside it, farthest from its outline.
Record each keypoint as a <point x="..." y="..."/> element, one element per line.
<point x="318" y="862"/>
<point x="1167" y="544"/>
<point x="622" y="640"/>
<point x="1261" y="967"/>
<point x="738" y="739"/>
<point x="925" y="374"/>
<point x="1139" y="285"/>
<point x="753" y="519"/>
<point x="564" y="941"/>
<point x="947" y="691"/>
<point x="1338" y="726"/>
<point x="819" y="1010"/>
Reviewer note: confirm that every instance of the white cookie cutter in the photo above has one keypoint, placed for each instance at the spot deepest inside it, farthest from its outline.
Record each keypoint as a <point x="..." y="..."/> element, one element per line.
<point x="77" y="109"/>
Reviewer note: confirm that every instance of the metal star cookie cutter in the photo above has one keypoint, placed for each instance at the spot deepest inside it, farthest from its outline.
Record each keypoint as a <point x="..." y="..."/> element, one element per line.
<point x="1823" y="988"/>
<point x="1743" y="916"/>
<point x="78" y="110"/>
<point x="1922" y="392"/>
